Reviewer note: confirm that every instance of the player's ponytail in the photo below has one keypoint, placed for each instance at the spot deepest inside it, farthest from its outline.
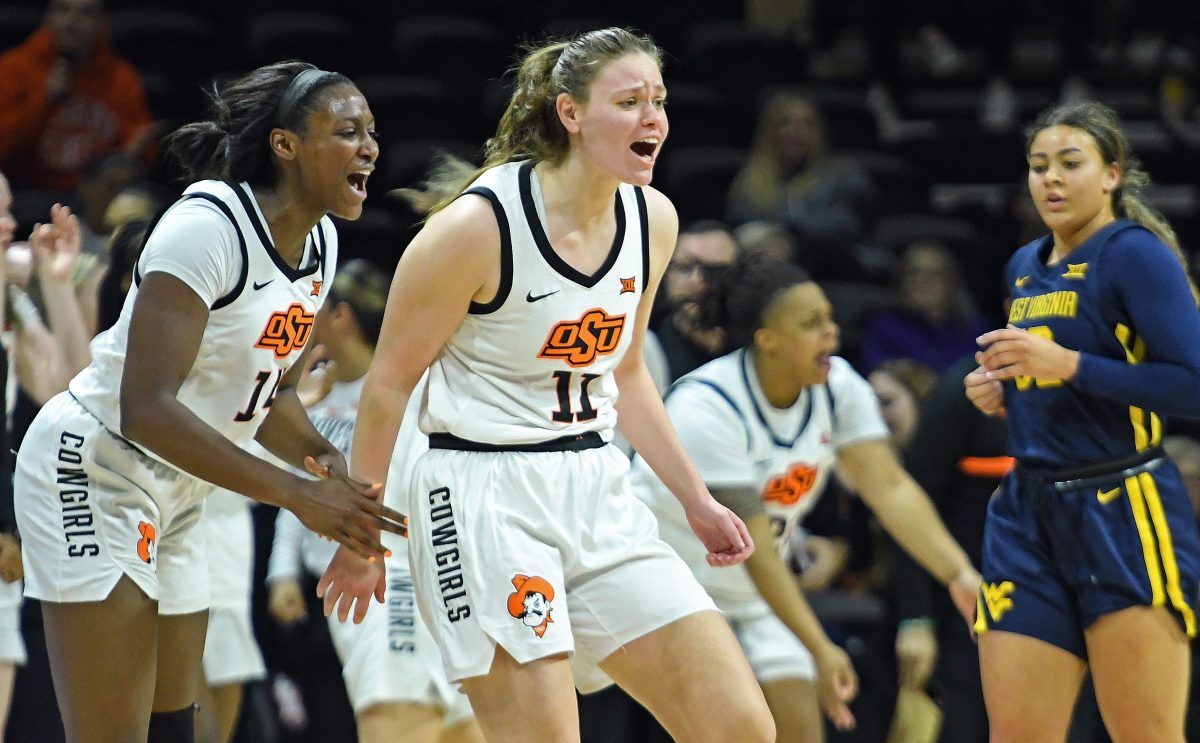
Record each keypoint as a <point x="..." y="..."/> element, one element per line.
<point x="737" y="297"/>
<point x="529" y="128"/>
<point x="1103" y="124"/>
<point x="233" y="141"/>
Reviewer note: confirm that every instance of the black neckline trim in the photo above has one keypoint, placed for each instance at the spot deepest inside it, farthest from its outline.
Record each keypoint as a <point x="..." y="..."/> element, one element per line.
<point x="560" y="266"/>
<point x="292" y="274"/>
<point x="506" y="255"/>
<point x="808" y="409"/>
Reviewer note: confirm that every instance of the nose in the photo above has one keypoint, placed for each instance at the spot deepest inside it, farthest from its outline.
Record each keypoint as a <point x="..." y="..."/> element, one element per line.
<point x="369" y="149"/>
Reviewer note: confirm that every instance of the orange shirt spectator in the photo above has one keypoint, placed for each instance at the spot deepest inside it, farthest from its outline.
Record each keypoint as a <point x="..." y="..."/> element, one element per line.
<point x="65" y="98"/>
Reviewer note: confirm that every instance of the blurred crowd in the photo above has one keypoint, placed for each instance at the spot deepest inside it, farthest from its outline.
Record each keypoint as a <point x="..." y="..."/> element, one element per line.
<point x="876" y="144"/>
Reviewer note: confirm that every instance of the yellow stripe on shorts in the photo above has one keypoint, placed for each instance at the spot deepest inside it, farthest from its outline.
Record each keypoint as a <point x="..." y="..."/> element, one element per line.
<point x="1166" y="548"/>
<point x="1138" y="504"/>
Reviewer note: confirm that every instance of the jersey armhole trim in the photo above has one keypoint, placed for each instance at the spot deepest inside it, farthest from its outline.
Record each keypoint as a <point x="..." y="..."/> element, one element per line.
<point x="242" y="274"/>
<point x="506" y="254"/>
<point x="721" y="393"/>
<point x="645" y="221"/>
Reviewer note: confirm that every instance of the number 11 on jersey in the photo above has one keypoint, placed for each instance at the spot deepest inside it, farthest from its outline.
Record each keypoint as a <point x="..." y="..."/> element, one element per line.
<point x="565" y="413"/>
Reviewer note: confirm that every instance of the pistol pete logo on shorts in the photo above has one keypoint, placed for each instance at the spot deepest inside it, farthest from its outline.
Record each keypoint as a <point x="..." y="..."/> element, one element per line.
<point x="286" y="331"/>
<point x="788" y="489"/>
<point x="531" y="602"/>
<point x="579" y="342"/>
<point x="145" y="545"/>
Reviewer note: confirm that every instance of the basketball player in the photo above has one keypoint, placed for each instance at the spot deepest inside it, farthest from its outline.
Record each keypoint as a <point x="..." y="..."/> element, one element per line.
<point x="111" y="478"/>
<point x="766" y="424"/>
<point x="393" y="672"/>
<point x="1090" y="553"/>
<point x="527" y="296"/>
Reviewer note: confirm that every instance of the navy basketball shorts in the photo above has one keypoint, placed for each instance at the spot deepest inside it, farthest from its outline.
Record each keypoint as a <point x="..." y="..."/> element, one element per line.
<point x="1059" y="552"/>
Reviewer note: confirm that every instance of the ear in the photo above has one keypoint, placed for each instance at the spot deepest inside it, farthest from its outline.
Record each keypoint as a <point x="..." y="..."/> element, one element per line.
<point x="284" y="143"/>
<point x="764" y="340"/>
<point x="1112" y="177"/>
<point x="568" y="112"/>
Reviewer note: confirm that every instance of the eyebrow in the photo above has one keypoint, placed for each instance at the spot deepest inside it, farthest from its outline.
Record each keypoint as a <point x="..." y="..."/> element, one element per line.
<point x="658" y="88"/>
<point x="1063" y="151"/>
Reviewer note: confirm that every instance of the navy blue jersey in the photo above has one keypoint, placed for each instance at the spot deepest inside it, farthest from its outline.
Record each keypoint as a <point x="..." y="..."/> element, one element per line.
<point x="1123" y="301"/>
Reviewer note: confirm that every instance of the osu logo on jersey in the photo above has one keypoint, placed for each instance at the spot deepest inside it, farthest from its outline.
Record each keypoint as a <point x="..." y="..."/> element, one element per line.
<point x="145" y="545"/>
<point x="531" y="602"/>
<point x="286" y="331"/>
<point x="579" y="342"/>
<point x="788" y="489"/>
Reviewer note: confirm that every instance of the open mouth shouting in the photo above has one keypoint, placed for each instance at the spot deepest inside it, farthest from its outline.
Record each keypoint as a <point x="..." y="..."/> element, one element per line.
<point x="645" y="148"/>
<point x="358" y="182"/>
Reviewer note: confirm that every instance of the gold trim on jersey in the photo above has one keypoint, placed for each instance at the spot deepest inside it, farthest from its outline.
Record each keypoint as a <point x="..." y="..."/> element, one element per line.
<point x="1166" y="549"/>
<point x="1144" y="436"/>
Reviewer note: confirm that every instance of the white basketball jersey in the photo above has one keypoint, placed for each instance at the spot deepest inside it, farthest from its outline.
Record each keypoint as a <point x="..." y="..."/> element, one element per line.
<point x="739" y="440"/>
<point x="536" y="362"/>
<point x="216" y="240"/>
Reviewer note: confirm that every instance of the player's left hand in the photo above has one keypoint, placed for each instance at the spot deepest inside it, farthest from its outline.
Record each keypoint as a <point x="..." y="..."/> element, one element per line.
<point x="964" y="592"/>
<point x="723" y="534"/>
<point x="349" y="583"/>
<point x="1011" y="352"/>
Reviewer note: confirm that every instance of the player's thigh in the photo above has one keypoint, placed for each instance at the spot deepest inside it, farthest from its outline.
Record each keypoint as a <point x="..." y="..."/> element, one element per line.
<point x="85" y="643"/>
<point x="1029" y="687"/>
<point x="692" y="675"/>
<point x="795" y="709"/>
<point x="463" y="731"/>
<point x="518" y="702"/>
<point x="387" y="722"/>
<point x="1140" y="661"/>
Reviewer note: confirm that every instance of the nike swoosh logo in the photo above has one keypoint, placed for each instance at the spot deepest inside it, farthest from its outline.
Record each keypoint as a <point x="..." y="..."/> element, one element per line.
<point x="1021" y="281"/>
<point x="258" y="286"/>
<point x="531" y="298"/>
<point x="1107" y="496"/>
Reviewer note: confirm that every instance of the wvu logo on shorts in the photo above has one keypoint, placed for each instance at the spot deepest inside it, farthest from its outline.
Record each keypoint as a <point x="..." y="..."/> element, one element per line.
<point x="996" y="597"/>
<point x="629" y="285"/>
<point x="579" y="342"/>
<point x="145" y="545"/>
<point x="789" y="488"/>
<point x="531" y="602"/>
<point x="286" y="331"/>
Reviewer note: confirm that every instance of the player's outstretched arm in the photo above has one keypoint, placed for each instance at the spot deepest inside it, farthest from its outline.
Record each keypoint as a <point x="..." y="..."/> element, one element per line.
<point x="165" y="333"/>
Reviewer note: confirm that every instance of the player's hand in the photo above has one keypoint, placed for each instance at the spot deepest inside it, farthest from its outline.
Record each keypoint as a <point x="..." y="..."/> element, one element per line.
<point x="56" y="246"/>
<point x="1011" y="352"/>
<point x="11" y="568"/>
<point x="964" y="592"/>
<point x="325" y="466"/>
<point x="985" y="393"/>
<point x="837" y="685"/>
<point x="286" y="601"/>
<point x="723" y="534"/>
<point x="349" y="583"/>
<point x="317" y="377"/>
<point x="916" y="653"/>
<point x="346" y="511"/>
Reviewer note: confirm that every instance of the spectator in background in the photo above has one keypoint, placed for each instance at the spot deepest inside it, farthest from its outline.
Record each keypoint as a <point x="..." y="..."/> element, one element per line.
<point x="931" y="320"/>
<point x="104" y="178"/>
<point x="767" y="240"/>
<point x="792" y="177"/>
<point x="901" y="386"/>
<point x="66" y="97"/>
<point x="702" y="249"/>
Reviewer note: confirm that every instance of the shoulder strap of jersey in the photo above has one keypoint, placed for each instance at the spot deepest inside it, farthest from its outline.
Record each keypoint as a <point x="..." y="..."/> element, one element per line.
<point x="221" y="205"/>
<point x="644" y="221"/>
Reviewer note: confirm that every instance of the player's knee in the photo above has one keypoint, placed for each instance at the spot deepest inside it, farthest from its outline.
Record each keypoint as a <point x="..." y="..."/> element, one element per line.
<point x="1136" y="728"/>
<point x="749" y="721"/>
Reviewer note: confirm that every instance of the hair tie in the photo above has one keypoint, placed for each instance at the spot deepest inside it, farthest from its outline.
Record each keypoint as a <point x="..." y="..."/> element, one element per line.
<point x="300" y="86"/>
